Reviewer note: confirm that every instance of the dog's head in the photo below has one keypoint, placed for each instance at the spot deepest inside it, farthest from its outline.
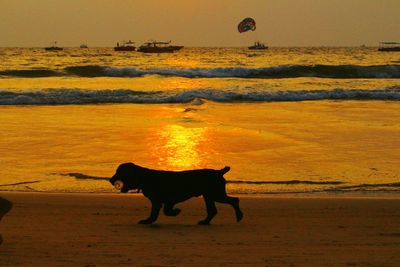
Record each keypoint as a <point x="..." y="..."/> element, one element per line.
<point x="126" y="177"/>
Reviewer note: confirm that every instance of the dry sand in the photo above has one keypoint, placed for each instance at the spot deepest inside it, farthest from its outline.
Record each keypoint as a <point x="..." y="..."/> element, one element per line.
<point x="101" y="230"/>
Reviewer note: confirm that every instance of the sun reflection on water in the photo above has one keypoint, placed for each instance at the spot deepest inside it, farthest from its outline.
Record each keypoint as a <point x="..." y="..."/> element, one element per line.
<point x="179" y="148"/>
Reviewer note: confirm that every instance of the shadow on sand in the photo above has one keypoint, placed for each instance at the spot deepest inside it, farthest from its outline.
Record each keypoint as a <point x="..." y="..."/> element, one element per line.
<point x="5" y="206"/>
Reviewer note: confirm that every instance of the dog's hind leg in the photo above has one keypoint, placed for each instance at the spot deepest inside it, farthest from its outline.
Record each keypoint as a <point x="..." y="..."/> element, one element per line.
<point x="155" y="210"/>
<point x="219" y="195"/>
<point x="234" y="202"/>
<point x="169" y="209"/>
<point x="211" y="211"/>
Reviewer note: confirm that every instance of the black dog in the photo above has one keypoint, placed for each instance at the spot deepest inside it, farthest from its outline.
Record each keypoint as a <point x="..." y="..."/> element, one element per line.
<point x="170" y="187"/>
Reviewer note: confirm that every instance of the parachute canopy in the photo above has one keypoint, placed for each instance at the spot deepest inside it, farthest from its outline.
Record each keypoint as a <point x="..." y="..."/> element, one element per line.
<point x="246" y="25"/>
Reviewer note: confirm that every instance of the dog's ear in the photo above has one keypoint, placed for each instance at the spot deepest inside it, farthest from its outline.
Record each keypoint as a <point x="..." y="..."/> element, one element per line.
<point x="132" y="165"/>
<point x="128" y="166"/>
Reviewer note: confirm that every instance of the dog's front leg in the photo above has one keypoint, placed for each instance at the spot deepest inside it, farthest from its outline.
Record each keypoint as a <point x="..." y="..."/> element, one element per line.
<point x="155" y="210"/>
<point x="211" y="210"/>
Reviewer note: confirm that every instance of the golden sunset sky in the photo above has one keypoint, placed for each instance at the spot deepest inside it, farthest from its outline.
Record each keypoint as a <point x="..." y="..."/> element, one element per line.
<point x="199" y="23"/>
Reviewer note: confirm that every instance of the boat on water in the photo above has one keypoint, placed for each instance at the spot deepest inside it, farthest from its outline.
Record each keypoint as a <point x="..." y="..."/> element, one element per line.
<point x="125" y="46"/>
<point x="389" y="47"/>
<point x="159" y="47"/>
<point x="53" y="47"/>
<point x="83" y="46"/>
<point x="258" y="46"/>
<point x="176" y="47"/>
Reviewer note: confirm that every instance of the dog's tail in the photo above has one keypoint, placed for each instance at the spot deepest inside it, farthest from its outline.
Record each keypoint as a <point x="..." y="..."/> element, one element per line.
<point x="224" y="170"/>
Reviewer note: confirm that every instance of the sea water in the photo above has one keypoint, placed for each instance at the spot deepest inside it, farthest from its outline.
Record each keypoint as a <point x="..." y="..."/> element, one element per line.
<point x="286" y="120"/>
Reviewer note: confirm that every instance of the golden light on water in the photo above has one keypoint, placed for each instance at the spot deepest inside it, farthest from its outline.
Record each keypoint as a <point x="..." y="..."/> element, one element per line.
<point x="178" y="146"/>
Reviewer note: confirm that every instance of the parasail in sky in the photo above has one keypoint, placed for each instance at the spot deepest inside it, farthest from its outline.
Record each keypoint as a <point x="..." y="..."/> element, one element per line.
<point x="246" y="25"/>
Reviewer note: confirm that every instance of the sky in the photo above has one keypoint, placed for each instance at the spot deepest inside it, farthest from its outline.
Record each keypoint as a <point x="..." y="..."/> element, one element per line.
<point x="36" y="23"/>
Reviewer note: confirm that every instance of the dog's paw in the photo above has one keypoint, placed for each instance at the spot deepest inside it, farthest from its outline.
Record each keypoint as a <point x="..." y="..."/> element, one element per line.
<point x="203" y="222"/>
<point x="239" y="216"/>
<point x="147" y="221"/>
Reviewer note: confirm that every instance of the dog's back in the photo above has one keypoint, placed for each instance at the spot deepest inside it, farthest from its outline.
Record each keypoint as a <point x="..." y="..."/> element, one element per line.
<point x="183" y="184"/>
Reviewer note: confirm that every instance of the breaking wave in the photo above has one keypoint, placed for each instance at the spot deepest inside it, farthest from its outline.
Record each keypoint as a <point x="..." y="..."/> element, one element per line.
<point x="79" y="96"/>
<point x="285" y="71"/>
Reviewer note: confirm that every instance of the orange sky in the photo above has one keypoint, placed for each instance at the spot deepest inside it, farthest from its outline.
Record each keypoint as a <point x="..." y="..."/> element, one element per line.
<point x="199" y="23"/>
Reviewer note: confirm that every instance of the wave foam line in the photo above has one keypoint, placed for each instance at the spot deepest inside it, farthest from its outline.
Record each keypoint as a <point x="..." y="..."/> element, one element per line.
<point x="82" y="176"/>
<point x="283" y="71"/>
<point x="362" y="187"/>
<point x="290" y="182"/>
<point x="78" y="96"/>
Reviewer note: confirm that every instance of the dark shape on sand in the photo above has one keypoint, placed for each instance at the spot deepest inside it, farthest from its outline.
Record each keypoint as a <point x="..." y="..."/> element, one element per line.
<point x="82" y="176"/>
<point x="5" y="206"/>
<point x="21" y="183"/>
<point x="169" y="187"/>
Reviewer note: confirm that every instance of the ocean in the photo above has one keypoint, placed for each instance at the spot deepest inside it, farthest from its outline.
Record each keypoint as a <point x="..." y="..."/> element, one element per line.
<point x="314" y="120"/>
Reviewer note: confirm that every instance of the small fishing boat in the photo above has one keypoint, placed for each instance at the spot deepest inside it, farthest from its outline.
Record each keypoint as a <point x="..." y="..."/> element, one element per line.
<point x="53" y="47"/>
<point x="125" y="46"/>
<point x="258" y="46"/>
<point x="159" y="47"/>
<point x="389" y="47"/>
<point x="83" y="46"/>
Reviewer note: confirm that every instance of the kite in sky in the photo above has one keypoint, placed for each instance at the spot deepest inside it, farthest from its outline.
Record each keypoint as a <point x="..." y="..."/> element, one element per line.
<point x="246" y="25"/>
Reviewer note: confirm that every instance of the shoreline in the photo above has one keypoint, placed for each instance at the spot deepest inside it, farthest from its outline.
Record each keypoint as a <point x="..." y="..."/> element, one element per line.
<point x="290" y="195"/>
<point x="62" y="229"/>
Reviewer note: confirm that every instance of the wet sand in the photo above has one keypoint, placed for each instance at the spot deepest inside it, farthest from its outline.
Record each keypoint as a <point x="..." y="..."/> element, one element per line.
<point x="311" y="141"/>
<point x="46" y="229"/>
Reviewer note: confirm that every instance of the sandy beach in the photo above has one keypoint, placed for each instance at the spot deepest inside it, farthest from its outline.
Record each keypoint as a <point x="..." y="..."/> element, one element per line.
<point x="48" y="229"/>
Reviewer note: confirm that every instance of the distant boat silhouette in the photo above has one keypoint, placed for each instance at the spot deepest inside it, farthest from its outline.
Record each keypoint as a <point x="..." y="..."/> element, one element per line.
<point x="389" y="47"/>
<point x="258" y="46"/>
<point x="83" y="46"/>
<point x="125" y="46"/>
<point x="53" y="47"/>
<point x="159" y="47"/>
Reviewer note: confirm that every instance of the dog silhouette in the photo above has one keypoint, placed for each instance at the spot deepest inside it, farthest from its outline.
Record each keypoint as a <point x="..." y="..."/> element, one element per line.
<point x="167" y="188"/>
